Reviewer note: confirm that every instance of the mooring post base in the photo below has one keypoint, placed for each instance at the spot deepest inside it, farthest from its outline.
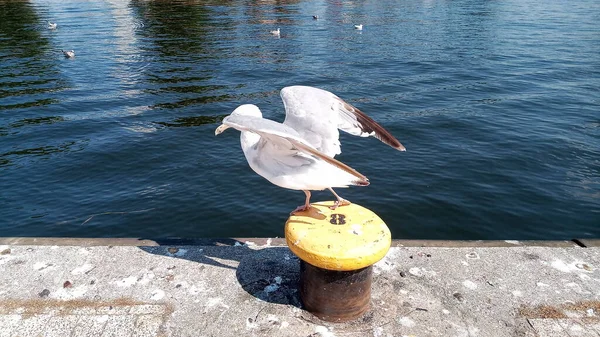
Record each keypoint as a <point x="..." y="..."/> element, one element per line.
<point x="335" y="296"/>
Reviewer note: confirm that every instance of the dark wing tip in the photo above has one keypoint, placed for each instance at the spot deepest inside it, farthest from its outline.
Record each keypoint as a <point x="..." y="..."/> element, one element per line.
<point x="364" y="182"/>
<point x="388" y="139"/>
<point x="368" y="125"/>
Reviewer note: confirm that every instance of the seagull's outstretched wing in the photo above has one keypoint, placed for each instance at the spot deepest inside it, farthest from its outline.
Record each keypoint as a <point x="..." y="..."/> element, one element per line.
<point x="286" y="138"/>
<point x="317" y="114"/>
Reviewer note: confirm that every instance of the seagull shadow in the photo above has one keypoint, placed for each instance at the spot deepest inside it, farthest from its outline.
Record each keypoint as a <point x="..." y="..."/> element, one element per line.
<point x="271" y="274"/>
<point x="312" y="212"/>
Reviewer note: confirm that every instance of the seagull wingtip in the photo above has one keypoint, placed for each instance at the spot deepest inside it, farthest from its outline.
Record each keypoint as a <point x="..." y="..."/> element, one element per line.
<point x="363" y="182"/>
<point x="398" y="146"/>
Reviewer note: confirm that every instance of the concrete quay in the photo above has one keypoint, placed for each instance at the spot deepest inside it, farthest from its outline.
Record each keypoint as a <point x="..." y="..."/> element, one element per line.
<point x="248" y="287"/>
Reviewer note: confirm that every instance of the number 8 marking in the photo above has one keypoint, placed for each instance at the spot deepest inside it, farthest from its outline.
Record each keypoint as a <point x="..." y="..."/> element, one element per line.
<point x="338" y="219"/>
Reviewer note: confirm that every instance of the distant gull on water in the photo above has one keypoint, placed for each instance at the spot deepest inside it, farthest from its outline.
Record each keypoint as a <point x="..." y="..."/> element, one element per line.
<point x="69" y="53"/>
<point x="52" y="25"/>
<point x="276" y="32"/>
<point x="359" y="27"/>
<point x="298" y="153"/>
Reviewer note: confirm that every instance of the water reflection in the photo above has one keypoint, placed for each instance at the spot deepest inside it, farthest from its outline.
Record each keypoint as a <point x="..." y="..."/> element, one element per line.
<point x="130" y="62"/>
<point x="29" y="74"/>
<point x="28" y="104"/>
<point x="272" y="12"/>
<point x="180" y="37"/>
<point x="37" y="121"/>
<point x="30" y="82"/>
<point x="175" y="27"/>
<point x="193" y="121"/>
<point x="19" y="29"/>
<point x="7" y="158"/>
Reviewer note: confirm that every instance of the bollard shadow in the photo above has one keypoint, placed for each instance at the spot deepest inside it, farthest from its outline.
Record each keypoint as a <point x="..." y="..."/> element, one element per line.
<point x="271" y="274"/>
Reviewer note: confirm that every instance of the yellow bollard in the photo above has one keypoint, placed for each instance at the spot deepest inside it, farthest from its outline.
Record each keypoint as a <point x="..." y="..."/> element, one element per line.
<point x="337" y="249"/>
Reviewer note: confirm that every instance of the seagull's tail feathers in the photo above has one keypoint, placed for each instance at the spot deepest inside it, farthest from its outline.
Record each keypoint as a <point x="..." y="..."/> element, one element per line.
<point x="325" y="175"/>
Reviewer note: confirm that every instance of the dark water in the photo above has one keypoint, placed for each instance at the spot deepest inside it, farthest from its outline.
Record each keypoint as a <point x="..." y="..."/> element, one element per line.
<point x="497" y="102"/>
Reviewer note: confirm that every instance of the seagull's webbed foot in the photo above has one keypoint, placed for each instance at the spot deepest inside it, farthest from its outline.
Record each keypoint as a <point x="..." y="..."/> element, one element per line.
<point x="301" y="208"/>
<point x="306" y="205"/>
<point x="339" y="202"/>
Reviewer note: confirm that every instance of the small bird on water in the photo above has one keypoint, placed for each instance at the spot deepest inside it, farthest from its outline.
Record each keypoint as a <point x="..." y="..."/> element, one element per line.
<point x="52" y="25"/>
<point x="358" y="27"/>
<point x="276" y="32"/>
<point x="298" y="153"/>
<point x="69" y="53"/>
<point x="316" y="17"/>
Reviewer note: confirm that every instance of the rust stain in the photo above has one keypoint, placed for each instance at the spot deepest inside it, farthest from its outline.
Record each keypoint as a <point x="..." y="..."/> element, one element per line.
<point x="39" y="306"/>
<point x="541" y="311"/>
<point x="31" y="307"/>
<point x="558" y="311"/>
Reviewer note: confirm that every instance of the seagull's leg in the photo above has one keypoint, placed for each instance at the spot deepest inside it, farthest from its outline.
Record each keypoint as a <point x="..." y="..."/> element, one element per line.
<point x="306" y="205"/>
<point x="340" y="201"/>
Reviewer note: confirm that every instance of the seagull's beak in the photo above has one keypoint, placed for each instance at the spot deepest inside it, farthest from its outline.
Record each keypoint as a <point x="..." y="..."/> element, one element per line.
<point x="220" y="129"/>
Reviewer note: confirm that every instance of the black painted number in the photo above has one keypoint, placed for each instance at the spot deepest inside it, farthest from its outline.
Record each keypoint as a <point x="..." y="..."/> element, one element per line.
<point x="338" y="219"/>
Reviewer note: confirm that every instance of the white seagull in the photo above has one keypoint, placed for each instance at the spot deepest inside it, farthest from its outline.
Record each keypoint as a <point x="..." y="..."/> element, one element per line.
<point x="52" y="25"/>
<point x="298" y="153"/>
<point x="69" y="53"/>
<point x="276" y="32"/>
<point x="359" y="27"/>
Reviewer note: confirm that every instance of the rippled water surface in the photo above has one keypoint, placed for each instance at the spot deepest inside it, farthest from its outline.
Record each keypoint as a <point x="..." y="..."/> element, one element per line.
<point x="497" y="102"/>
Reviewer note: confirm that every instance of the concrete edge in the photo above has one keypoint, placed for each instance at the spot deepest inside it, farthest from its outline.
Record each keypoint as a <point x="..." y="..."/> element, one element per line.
<point x="86" y="242"/>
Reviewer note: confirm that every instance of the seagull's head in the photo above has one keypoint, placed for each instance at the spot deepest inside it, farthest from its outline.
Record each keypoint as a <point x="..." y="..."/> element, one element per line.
<point x="247" y="110"/>
<point x="242" y="110"/>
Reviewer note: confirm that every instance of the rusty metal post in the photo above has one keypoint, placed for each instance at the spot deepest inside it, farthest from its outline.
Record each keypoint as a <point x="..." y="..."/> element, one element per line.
<point x="335" y="296"/>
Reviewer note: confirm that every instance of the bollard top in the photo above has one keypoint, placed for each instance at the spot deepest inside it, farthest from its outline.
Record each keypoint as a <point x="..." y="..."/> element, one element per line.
<point x="348" y="238"/>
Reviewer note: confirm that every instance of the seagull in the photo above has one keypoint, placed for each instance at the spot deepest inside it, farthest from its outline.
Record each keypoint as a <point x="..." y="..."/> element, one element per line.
<point x="52" y="25"/>
<point x="298" y="153"/>
<point x="69" y="53"/>
<point x="276" y="32"/>
<point x="359" y="27"/>
<point x="316" y="17"/>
